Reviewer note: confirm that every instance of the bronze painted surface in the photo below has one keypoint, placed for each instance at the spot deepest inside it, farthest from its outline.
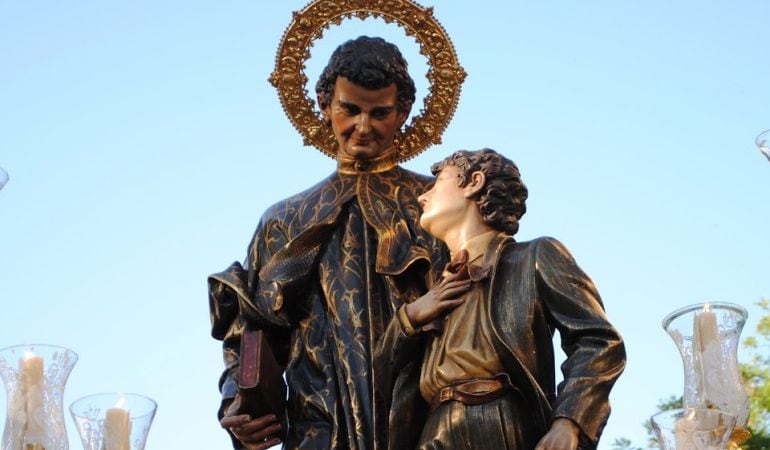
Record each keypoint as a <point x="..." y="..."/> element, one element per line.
<point x="463" y="349"/>
<point x="325" y="271"/>
<point x="536" y="288"/>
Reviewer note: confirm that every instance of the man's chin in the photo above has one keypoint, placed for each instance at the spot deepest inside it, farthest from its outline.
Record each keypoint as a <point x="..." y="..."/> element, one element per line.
<point x="362" y="152"/>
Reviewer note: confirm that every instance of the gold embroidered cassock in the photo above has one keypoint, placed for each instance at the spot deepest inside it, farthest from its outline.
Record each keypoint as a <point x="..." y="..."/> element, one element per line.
<point x="324" y="273"/>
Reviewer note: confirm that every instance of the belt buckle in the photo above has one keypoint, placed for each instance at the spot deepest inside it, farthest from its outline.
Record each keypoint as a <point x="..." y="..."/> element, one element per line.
<point x="446" y="394"/>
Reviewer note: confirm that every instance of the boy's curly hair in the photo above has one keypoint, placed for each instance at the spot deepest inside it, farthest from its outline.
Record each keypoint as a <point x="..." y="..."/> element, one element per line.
<point x="502" y="199"/>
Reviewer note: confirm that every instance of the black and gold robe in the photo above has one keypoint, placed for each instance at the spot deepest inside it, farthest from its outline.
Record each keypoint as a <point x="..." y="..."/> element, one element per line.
<point x="324" y="273"/>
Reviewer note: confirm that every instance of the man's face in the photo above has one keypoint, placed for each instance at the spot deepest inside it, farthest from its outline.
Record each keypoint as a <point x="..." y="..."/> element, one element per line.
<point x="445" y="204"/>
<point x="364" y="121"/>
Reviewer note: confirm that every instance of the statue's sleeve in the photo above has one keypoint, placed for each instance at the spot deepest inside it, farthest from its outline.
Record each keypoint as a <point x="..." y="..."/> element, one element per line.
<point x="595" y="352"/>
<point x="236" y="301"/>
<point x="395" y="349"/>
<point x="397" y="363"/>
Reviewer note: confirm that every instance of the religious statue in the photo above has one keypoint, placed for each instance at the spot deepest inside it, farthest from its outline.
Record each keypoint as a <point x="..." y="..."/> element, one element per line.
<point x="327" y="268"/>
<point x="473" y="358"/>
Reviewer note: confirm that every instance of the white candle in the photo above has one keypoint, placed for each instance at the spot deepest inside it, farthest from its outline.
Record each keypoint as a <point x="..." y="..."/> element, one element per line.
<point x="32" y="385"/>
<point x="684" y="430"/>
<point x="706" y="327"/>
<point x="708" y="353"/>
<point x="117" y="429"/>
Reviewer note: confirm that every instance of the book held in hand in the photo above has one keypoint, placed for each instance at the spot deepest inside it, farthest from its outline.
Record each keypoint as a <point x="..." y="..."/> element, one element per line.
<point x="260" y="381"/>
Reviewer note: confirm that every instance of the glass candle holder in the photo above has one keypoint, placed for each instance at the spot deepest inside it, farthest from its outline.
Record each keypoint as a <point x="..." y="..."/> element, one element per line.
<point x="3" y="177"/>
<point x="113" y="421"/>
<point x="34" y="377"/>
<point x="693" y="429"/>
<point x="707" y="336"/>
<point x="763" y="143"/>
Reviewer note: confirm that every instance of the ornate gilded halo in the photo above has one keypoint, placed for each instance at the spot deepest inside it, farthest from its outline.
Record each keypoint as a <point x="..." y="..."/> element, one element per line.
<point x="445" y="73"/>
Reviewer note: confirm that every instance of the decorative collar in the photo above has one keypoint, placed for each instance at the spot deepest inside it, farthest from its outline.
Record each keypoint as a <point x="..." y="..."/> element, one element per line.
<point x="388" y="204"/>
<point x="382" y="163"/>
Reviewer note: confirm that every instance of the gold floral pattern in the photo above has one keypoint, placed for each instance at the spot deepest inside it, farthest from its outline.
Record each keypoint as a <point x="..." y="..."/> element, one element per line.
<point x="325" y="272"/>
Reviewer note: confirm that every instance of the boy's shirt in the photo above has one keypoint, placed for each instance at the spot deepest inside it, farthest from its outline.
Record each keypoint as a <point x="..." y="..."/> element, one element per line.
<point x="464" y="350"/>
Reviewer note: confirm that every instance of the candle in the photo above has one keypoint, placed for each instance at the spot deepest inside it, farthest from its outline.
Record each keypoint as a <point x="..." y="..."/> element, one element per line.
<point x="32" y="382"/>
<point x="707" y="346"/>
<point x="684" y="431"/>
<point x="706" y="327"/>
<point x="117" y="428"/>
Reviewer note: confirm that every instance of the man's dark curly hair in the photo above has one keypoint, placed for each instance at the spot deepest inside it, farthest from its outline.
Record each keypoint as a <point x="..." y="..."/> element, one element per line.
<point x="370" y="62"/>
<point x="502" y="199"/>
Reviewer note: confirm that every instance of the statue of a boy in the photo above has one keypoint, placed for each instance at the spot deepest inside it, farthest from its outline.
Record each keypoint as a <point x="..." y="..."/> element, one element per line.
<point x="484" y="379"/>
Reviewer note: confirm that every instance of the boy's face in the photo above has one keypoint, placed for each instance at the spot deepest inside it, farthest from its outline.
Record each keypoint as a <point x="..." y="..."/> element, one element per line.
<point x="445" y="204"/>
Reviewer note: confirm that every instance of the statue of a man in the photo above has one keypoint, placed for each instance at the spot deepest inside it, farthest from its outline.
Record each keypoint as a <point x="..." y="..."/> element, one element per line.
<point x="327" y="268"/>
<point x="485" y="378"/>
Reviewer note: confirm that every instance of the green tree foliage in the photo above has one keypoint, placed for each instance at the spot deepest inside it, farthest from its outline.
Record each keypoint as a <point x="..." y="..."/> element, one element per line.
<point x="756" y="378"/>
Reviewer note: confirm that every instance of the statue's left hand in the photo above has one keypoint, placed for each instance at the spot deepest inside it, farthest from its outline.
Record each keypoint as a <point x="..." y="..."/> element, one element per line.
<point x="563" y="435"/>
<point x="259" y="433"/>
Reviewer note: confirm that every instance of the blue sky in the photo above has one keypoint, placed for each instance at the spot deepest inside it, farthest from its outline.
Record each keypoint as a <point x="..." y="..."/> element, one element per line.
<point x="143" y="143"/>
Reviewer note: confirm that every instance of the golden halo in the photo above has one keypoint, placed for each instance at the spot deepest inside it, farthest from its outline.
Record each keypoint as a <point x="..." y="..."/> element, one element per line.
<point x="444" y="74"/>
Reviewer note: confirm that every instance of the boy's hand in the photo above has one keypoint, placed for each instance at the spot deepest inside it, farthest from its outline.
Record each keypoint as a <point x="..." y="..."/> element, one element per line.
<point x="441" y="298"/>
<point x="563" y="435"/>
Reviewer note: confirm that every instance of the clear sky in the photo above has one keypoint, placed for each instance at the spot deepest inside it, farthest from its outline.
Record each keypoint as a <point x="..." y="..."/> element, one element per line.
<point x="143" y="142"/>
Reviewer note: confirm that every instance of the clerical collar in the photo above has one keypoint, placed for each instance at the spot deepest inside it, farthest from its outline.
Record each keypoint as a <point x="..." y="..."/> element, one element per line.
<point x="386" y="161"/>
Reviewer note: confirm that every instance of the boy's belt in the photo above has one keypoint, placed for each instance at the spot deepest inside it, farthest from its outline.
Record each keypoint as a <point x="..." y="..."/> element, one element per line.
<point x="473" y="392"/>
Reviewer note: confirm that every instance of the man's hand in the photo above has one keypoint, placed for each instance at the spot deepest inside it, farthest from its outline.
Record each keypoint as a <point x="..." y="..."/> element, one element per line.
<point x="255" y="434"/>
<point x="563" y="435"/>
<point x="442" y="297"/>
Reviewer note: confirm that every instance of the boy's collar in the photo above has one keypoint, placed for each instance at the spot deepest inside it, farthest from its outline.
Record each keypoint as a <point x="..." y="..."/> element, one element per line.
<point x="494" y="247"/>
<point x="478" y="246"/>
